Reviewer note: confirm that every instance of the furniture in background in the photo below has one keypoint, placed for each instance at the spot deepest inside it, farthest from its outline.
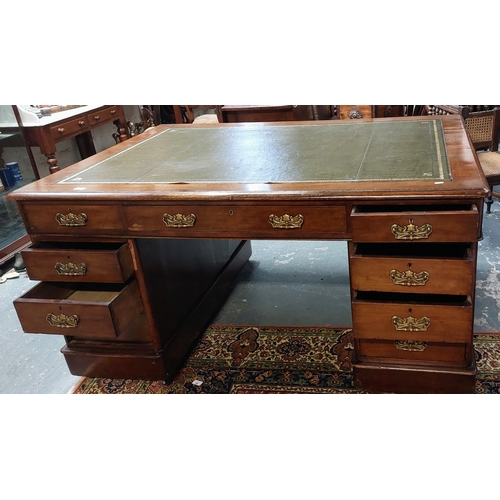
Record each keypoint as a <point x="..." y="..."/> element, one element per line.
<point x="46" y="130"/>
<point x="362" y="111"/>
<point x="483" y="128"/>
<point x="445" y="109"/>
<point x="238" y="113"/>
<point x="190" y="113"/>
<point x="131" y="272"/>
<point x="235" y="113"/>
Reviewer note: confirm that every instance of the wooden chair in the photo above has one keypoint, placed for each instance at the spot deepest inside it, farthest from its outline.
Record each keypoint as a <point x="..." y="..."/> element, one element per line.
<point x="445" y="109"/>
<point x="483" y="129"/>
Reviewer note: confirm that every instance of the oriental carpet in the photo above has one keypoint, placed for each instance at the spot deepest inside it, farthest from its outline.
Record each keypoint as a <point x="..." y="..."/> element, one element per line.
<point x="277" y="360"/>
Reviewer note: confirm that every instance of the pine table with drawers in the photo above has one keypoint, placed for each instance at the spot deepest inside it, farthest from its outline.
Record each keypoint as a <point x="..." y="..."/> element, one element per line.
<point x="137" y="247"/>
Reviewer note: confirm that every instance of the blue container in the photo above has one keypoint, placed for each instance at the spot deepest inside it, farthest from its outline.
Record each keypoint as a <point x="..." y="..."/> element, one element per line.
<point x="13" y="166"/>
<point x="7" y="177"/>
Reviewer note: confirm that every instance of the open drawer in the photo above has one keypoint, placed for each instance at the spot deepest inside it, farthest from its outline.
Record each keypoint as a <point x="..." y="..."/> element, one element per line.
<point x="87" y="311"/>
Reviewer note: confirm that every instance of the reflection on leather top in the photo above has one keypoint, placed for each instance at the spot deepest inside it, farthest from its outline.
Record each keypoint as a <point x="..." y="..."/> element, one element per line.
<point x="253" y="153"/>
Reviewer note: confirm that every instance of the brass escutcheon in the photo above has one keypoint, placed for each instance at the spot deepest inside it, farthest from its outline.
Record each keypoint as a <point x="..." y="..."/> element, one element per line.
<point x="63" y="321"/>
<point x="411" y="231"/>
<point x="71" y="269"/>
<point x="410" y="345"/>
<point x="179" y="220"/>
<point x="411" y="324"/>
<point x="408" y="277"/>
<point x="71" y="219"/>
<point x="286" y="221"/>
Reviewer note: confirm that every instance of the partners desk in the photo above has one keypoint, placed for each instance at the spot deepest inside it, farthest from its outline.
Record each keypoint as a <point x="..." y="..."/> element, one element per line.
<point x="137" y="247"/>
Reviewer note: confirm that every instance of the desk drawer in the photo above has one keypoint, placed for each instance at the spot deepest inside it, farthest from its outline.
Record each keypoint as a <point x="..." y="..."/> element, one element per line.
<point x="102" y="116"/>
<point x="79" y="262"/>
<point x="71" y="219"/>
<point x="418" y="353"/>
<point x="287" y="222"/>
<point x="447" y="321"/>
<point x="424" y="269"/>
<point x="69" y="129"/>
<point x="91" y="312"/>
<point x="425" y="224"/>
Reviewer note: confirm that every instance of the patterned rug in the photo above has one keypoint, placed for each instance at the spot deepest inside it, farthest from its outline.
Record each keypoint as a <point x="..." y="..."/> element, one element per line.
<point x="277" y="360"/>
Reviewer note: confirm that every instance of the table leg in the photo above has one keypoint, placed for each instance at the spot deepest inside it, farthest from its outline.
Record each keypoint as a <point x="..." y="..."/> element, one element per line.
<point x="52" y="161"/>
<point x="122" y="130"/>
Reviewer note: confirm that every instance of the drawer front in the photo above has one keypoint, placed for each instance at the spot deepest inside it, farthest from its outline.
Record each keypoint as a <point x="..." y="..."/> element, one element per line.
<point x="422" y="226"/>
<point x="396" y="321"/>
<point x="89" y="263"/>
<point x="100" y="312"/>
<point x="72" y="219"/>
<point x="402" y="275"/>
<point x="403" y="353"/>
<point x="285" y="222"/>
<point x="102" y="116"/>
<point x="69" y="129"/>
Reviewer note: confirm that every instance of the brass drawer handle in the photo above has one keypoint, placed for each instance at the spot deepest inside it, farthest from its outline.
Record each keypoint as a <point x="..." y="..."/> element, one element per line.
<point x="411" y="231"/>
<point x="113" y="111"/>
<point x="61" y="130"/>
<point x="410" y="345"/>
<point x="179" y="220"/>
<point x="97" y="118"/>
<point x="81" y="123"/>
<point x="71" y="219"/>
<point x="63" y="321"/>
<point x="408" y="277"/>
<point x="71" y="269"/>
<point x="286" y="221"/>
<point x="411" y="324"/>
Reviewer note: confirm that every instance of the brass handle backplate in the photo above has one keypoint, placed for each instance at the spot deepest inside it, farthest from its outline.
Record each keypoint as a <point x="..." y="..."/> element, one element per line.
<point x="71" y="269"/>
<point x="411" y="231"/>
<point x="411" y="324"/>
<point x="410" y="345"/>
<point x="286" y="221"/>
<point x="408" y="277"/>
<point x="179" y="220"/>
<point x="63" y="321"/>
<point x="71" y="219"/>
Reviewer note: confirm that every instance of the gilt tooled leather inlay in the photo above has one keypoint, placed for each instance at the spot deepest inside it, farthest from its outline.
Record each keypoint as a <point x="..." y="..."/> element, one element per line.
<point x="253" y="153"/>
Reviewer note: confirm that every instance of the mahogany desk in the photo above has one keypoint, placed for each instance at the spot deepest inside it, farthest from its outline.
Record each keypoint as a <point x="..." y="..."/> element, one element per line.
<point x="136" y="247"/>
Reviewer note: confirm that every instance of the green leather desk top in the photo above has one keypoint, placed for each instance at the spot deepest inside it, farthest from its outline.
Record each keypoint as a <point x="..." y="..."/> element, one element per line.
<point x="331" y="152"/>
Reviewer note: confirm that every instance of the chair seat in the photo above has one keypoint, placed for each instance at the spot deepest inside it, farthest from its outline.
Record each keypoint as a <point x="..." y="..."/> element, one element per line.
<point x="490" y="162"/>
